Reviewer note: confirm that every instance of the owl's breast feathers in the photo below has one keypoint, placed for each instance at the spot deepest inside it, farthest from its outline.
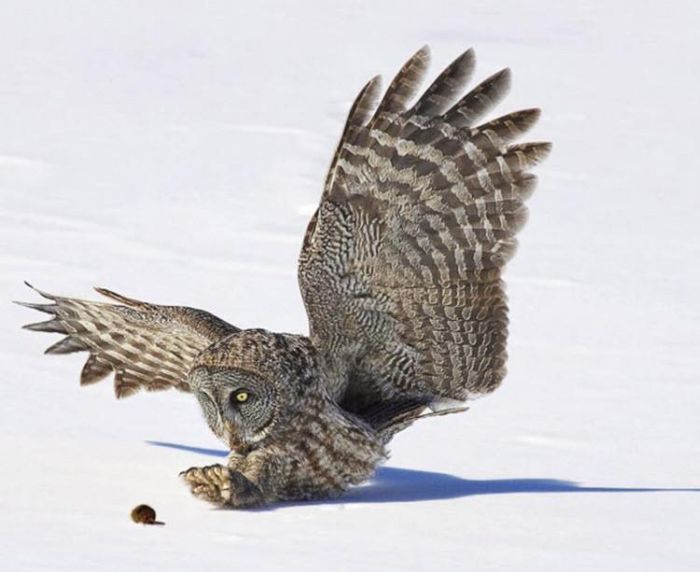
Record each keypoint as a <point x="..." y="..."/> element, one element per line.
<point x="326" y="450"/>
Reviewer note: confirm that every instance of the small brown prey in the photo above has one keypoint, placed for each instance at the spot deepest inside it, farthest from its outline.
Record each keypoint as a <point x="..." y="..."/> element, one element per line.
<point x="144" y="514"/>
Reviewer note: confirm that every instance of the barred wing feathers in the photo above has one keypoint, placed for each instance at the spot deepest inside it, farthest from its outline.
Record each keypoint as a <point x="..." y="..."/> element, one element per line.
<point x="146" y="346"/>
<point x="401" y="265"/>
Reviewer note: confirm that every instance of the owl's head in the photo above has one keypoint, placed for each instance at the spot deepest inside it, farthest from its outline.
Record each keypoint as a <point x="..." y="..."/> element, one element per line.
<point x="239" y="406"/>
<point x="248" y="384"/>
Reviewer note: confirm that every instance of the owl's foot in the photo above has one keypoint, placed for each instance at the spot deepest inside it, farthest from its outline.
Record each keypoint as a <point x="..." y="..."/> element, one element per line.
<point x="220" y="485"/>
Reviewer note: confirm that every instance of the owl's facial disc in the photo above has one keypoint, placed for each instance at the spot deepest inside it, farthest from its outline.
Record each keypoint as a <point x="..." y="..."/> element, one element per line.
<point x="239" y="407"/>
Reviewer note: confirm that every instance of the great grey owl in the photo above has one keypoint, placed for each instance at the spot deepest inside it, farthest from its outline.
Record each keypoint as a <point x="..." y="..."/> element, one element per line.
<point x="400" y="272"/>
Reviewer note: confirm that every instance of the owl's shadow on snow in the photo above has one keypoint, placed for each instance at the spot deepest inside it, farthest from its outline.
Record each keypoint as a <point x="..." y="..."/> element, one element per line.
<point x="392" y="484"/>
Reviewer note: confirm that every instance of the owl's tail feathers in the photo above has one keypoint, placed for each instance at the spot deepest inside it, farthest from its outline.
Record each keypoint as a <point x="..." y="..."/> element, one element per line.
<point x="388" y="418"/>
<point x="146" y="346"/>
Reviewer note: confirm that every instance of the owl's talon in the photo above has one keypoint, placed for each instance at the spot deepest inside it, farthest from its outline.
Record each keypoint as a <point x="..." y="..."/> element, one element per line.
<point x="211" y="483"/>
<point x="220" y="485"/>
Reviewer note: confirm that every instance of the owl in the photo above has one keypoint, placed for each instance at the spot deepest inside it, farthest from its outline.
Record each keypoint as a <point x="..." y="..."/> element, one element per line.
<point x="400" y="273"/>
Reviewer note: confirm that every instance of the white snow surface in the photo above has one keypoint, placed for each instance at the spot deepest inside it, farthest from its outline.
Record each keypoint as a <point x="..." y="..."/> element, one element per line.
<point x="173" y="151"/>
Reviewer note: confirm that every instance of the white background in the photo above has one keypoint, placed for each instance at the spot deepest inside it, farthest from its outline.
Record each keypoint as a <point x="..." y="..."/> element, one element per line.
<point x="173" y="151"/>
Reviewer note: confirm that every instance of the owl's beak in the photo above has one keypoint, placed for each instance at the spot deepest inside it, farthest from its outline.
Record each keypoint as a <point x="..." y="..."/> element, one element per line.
<point x="231" y="437"/>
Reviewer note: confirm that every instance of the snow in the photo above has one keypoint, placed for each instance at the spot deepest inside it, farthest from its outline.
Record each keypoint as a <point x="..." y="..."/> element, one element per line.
<point x="174" y="151"/>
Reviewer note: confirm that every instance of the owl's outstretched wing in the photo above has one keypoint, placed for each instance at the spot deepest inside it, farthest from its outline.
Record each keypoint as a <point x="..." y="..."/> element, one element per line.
<point x="401" y="265"/>
<point x="146" y="346"/>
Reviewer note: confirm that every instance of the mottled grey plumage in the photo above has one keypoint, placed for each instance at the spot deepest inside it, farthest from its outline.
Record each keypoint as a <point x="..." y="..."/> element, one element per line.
<point x="400" y="272"/>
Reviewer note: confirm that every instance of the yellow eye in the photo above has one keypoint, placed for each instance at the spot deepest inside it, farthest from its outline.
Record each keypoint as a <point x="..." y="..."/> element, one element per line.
<point x="241" y="396"/>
